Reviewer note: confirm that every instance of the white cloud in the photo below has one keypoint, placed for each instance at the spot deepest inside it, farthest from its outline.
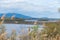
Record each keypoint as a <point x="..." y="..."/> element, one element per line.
<point x="41" y="7"/>
<point x="31" y="5"/>
<point x="20" y="0"/>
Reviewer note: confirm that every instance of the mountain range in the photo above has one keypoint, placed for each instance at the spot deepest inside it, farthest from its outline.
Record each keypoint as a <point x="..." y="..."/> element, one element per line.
<point x="9" y="15"/>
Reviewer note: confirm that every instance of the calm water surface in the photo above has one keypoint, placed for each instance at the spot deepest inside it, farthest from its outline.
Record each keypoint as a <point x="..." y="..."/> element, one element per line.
<point x="18" y="27"/>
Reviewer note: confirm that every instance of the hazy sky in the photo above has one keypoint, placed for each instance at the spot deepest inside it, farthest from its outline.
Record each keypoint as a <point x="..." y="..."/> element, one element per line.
<point x="34" y="8"/>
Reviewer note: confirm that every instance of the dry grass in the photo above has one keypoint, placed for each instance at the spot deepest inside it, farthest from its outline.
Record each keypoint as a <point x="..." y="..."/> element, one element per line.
<point x="31" y="35"/>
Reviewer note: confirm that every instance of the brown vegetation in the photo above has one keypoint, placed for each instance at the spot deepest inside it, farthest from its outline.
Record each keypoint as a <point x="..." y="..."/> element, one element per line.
<point x="51" y="31"/>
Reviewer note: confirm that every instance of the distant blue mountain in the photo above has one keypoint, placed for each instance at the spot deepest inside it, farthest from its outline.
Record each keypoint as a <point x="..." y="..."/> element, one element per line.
<point x="9" y="15"/>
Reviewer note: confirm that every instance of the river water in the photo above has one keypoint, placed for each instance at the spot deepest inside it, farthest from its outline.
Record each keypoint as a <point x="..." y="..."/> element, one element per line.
<point x="18" y="27"/>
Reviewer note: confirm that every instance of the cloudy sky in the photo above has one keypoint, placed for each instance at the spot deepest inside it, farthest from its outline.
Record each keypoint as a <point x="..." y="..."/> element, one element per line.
<point x="33" y="8"/>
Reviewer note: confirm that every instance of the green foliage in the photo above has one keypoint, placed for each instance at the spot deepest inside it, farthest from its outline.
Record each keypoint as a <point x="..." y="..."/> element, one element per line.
<point x="35" y="28"/>
<point x="33" y="33"/>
